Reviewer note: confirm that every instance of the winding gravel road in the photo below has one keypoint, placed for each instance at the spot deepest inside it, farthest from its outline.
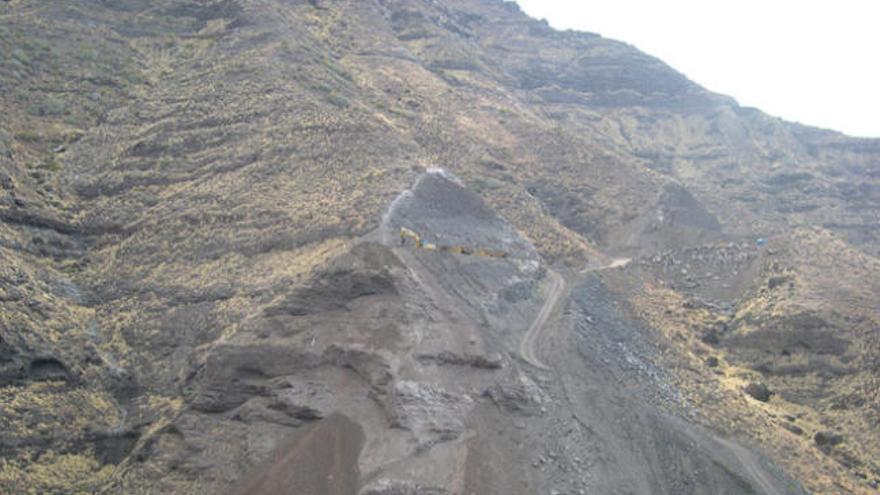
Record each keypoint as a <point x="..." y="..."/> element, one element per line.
<point x="753" y="467"/>
<point x="528" y="346"/>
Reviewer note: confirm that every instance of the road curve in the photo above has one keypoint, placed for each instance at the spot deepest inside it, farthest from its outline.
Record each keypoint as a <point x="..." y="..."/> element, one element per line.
<point x="615" y="263"/>
<point x="751" y="463"/>
<point x="528" y="346"/>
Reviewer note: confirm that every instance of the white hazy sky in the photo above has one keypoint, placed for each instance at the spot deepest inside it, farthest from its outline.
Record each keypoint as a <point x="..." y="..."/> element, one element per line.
<point x="811" y="61"/>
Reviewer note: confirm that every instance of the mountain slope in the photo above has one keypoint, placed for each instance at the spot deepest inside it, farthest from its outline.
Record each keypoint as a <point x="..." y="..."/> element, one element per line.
<point x="191" y="198"/>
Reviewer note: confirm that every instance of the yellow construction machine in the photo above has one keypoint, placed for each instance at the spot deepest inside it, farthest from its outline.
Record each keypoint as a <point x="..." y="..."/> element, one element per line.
<point x="408" y="233"/>
<point x="490" y="253"/>
<point x="458" y="249"/>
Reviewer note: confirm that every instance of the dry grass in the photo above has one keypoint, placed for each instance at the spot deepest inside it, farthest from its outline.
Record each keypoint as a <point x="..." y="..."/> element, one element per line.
<point x="718" y="392"/>
<point x="227" y="153"/>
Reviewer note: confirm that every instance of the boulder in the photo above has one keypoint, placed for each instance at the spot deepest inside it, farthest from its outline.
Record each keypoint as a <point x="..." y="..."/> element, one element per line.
<point x="826" y="439"/>
<point x="758" y="391"/>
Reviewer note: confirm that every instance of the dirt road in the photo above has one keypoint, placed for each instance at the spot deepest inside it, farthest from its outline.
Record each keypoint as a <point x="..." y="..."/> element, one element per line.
<point x="615" y="263"/>
<point x="752" y="464"/>
<point x="528" y="346"/>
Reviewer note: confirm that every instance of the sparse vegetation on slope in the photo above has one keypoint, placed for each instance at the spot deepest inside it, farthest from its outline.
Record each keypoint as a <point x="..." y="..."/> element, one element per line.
<point x="174" y="175"/>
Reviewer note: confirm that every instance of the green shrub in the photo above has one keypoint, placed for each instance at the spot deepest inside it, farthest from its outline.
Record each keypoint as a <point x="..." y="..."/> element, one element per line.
<point x="320" y="87"/>
<point x="485" y="184"/>
<point x="41" y="45"/>
<point x="50" y="164"/>
<point x="337" y="100"/>
<point x="402" y="112"/>
<point x="21" y="56"/>
<point x="338" y="70"/>
<point x="51" y="106"/>
<point x="29" y="136"/>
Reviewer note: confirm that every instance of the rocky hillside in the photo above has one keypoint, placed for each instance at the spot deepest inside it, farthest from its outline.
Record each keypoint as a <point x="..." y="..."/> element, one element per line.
<point x="203" y="287"/>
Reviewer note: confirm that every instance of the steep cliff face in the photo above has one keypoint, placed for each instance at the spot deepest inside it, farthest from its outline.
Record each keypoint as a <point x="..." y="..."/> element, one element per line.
<point x="200" y="259"/>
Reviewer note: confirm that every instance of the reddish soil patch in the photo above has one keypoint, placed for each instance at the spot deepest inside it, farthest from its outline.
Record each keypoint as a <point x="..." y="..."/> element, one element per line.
<point x="323" y="460"/>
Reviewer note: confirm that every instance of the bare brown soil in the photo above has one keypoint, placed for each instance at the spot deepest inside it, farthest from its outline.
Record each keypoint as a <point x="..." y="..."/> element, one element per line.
<point x="321" y="460"/>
